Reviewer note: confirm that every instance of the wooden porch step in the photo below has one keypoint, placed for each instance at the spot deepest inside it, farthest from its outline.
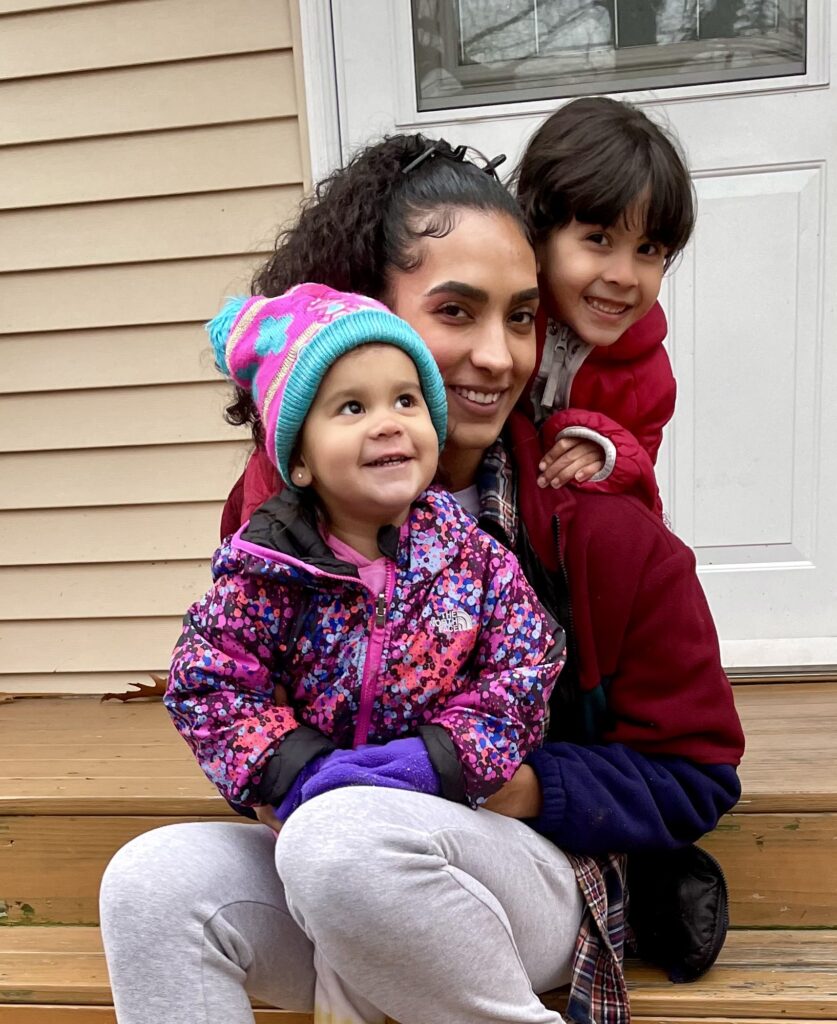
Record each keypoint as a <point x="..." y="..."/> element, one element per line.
<point x="78" y="779"/>
<point x="761" y="975"/>
<point x="75" y="756"/>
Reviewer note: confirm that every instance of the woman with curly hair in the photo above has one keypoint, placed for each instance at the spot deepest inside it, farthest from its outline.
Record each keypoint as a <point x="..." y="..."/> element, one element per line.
<point x="407" y="905"/>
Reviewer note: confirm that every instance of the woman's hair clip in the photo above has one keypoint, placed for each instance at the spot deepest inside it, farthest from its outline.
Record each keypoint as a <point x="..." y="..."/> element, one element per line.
<point x="492" y="165"/>
<point x="442" y="148"/>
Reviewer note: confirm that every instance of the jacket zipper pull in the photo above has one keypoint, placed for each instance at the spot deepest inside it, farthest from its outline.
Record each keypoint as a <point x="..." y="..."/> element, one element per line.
<point x="381" y="610"/>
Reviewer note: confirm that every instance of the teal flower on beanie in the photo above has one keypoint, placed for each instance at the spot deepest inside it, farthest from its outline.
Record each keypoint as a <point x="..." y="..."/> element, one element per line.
<point x="272" y="334"/>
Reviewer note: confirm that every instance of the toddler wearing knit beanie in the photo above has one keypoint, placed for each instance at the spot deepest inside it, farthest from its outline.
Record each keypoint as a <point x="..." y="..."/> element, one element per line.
<point x="412" y="651"/>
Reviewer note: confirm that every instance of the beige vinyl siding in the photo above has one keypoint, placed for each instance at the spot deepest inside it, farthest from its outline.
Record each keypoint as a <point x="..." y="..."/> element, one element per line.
<point x="148" y="151"/>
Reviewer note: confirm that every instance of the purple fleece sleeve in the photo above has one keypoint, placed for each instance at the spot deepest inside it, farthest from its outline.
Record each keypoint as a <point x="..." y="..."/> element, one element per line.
<point x="610" y="798"/>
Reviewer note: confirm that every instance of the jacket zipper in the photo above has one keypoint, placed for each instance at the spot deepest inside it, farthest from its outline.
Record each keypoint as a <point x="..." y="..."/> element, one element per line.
<point x="569" y="370"/>
<point x="568" y="604"/>
<point x="374" y="658"/>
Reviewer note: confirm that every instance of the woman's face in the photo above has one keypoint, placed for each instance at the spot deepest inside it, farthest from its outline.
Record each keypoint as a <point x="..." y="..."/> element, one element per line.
<point x="473" y="299"/>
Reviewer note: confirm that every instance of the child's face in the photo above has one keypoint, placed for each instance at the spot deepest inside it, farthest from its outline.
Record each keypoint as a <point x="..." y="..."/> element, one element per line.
<point x="601" y="280"/>
<point x="368" y="446"/>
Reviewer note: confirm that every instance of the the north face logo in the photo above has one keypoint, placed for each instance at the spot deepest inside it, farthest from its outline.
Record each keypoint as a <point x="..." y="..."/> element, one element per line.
<point x="457" y="621"/>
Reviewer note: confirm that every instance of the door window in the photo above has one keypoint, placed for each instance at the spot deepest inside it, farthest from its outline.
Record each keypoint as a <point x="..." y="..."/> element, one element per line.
<point x="475" y="52"/>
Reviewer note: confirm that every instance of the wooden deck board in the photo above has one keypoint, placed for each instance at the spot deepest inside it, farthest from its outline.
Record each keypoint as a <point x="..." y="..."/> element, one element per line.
<point x="781" y="868"/>
<point x="99" y="754"/>
<point x="51" y="866"/>
<point x="791" y="759"/>
<point x="770" y="975"/>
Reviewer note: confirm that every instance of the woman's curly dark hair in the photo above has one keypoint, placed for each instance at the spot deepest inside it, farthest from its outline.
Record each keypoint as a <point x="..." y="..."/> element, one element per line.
<point x="365" y="219"/>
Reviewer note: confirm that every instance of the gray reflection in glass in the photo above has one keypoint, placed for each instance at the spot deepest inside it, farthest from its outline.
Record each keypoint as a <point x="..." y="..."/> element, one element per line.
<point x="466" y="46"/>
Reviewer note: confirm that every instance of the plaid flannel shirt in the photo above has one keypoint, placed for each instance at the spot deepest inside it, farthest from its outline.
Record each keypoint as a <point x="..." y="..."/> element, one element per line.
<point x="598" y="994"/>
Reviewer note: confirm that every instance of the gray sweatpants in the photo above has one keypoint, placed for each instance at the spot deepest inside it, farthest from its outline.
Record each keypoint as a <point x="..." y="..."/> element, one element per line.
<point x="417" y="907"/>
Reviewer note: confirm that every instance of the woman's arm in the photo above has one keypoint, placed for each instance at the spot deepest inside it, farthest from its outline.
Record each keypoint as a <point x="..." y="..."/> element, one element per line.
<point x="604" y="799"/>
<point x="657" y="765"/>
<point x="611" y="798"/>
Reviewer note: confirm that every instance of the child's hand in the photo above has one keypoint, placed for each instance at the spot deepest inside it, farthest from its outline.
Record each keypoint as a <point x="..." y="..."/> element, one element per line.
<point x="267" y="816"/>
<point x="571" y="459"/>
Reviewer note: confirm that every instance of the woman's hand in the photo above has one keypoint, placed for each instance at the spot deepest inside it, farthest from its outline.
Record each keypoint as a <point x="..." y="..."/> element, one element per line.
<point x="520" y="797"/>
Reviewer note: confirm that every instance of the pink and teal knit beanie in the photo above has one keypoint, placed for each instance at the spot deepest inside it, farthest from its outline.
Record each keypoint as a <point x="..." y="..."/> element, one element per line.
<point x="280" y="349"/>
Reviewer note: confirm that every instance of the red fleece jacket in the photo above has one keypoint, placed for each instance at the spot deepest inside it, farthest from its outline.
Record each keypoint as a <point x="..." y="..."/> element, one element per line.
<point x="640" y="620"/>
<point x="626" y="392"/>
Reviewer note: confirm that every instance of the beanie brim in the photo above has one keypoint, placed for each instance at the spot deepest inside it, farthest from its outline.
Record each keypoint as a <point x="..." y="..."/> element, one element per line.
<point x="330" y="343"/>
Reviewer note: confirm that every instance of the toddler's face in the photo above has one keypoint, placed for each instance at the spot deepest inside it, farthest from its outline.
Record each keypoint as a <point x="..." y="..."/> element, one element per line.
<point x="600" y="280"/>
<point x="368" y="446"/>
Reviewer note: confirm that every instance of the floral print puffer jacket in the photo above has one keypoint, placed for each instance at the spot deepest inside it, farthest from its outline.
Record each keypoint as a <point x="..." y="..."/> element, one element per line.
<point x="456" y="640"/>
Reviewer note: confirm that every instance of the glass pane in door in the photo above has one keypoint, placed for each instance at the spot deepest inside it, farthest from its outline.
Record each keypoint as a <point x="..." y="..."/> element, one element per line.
<point x="470" y="52"/>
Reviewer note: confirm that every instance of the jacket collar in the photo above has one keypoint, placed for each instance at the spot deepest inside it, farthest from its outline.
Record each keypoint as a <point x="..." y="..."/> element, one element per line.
<point x="280" y="533"/>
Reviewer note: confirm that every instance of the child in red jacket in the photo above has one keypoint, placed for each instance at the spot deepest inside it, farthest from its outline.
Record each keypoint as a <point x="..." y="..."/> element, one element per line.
<point x="610" y="204"/>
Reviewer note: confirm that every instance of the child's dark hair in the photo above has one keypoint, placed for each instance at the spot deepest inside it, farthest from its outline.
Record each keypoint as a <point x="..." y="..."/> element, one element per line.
<point x="366" y="218"/>
<point x="592" y="160"/>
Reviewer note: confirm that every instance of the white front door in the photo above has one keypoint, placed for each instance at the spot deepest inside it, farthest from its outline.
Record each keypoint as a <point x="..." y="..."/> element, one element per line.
<point x="747" y="470"/>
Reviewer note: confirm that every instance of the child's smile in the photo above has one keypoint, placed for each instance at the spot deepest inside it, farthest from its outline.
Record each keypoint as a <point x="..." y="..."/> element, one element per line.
<point x="368" y="447"/>
<point x="607" y="308"/>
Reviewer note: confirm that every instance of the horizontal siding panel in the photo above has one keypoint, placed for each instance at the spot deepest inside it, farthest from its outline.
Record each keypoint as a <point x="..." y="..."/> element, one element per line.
<point x="107" y="357"/>
<point x="150" y="150"/>
<point x="117" y="590"/>
<point x="15" y="6"/>
<point x="122" y="476"/>
<point x="163" y="293"/>
<point x="214" y="91"/>
<point x="113" y="417"/>
<point x="71" y="682"/>
<point x="143" y="32"/>
<point x="152" y="164"/>
<point x="145" y="230"/>
<point x="135" y="534"/>
<point x="88" y="645"/>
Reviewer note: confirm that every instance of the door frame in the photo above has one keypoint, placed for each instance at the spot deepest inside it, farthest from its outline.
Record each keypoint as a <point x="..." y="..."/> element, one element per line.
<point x="319" y="72"/>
